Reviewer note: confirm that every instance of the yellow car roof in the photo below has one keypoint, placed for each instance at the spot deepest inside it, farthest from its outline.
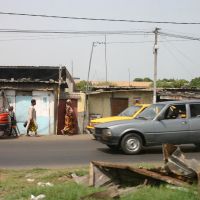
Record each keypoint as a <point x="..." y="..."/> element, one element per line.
<point x="114" y="118"/>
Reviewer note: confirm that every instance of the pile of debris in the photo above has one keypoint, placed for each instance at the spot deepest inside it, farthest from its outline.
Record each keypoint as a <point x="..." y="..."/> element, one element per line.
<point x="121" y="179"/>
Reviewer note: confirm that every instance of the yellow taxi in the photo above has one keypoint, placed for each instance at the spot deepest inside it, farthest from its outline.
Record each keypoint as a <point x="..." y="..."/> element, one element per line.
<point x="128" y="114"/>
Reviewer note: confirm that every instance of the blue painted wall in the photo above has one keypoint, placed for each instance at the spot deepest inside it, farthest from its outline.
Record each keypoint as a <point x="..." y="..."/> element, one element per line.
<point x="22" y="105"/>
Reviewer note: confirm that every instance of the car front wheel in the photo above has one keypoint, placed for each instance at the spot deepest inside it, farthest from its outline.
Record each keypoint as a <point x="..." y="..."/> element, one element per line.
<point x="131" y="144"/>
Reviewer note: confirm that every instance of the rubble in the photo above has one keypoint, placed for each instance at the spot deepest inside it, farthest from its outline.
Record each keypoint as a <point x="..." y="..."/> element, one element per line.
<point x="39" y="197"/>
<point x="42" y="184"/>
<point x="119" y="179"/>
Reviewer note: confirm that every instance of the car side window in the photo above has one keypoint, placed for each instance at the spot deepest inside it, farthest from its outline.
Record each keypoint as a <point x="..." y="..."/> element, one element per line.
<point x="195" y="110"/>
<point x="175" y="112"/>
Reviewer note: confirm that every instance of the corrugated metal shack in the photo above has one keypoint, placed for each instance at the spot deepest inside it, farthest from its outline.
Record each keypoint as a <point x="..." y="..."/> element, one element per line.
<point x="46" y="84"/>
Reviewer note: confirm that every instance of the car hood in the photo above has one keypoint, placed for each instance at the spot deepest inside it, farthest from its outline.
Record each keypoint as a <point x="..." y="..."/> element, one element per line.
<point x="109" y="119"/>
<point x="133" y="122"/>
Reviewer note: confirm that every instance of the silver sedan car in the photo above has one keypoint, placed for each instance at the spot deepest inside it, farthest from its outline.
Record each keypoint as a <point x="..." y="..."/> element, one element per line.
<point x="173" y="122"/>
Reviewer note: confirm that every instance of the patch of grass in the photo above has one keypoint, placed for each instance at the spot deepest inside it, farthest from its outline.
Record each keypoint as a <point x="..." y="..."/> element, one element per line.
<point x="14" y="186"/>
<point x="162" y="193"/>
<point x="69" y="191"/>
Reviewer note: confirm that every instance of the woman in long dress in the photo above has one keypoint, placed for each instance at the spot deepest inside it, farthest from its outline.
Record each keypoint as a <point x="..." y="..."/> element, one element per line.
<point x="69" y="127"/>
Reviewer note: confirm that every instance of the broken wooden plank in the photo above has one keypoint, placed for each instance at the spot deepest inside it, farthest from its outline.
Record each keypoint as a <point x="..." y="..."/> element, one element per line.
<point x="140" y="172"/>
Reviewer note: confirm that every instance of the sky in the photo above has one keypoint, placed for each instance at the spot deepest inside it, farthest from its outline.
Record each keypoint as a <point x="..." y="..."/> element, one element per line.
<point x="127" y="56"/>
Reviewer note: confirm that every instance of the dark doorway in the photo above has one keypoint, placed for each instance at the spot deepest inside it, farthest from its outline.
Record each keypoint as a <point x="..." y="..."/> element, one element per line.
<point x="61" y="114"/>
<point x="118" y="105"/>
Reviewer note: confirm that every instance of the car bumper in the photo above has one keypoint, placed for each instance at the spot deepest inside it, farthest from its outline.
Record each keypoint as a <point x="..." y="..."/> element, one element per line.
<point x="90" y="130"/>
<point x="107" y="140"/>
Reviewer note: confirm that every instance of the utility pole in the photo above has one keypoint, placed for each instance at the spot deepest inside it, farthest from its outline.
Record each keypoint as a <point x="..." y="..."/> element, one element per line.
<point x="72" y="69"/>
<point x="58" y="100"/>
<point x="155" y="52"/>
<point x="86" y="114"/>
<point x="87" y="86"/>
<point x="106" y="60"/>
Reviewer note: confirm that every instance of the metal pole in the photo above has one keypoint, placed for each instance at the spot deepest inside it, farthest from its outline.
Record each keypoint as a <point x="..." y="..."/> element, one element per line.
<point x="72" y="69"/>
<point x="106" y="60"/>
<point x="85" y="117"/>
<point x="155" y="64"/>
<point x="59" y="84"/>
<point x="87" y="86"/>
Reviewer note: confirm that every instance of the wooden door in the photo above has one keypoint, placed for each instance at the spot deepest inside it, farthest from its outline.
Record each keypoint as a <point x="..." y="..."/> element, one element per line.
<point x="118" y="105"/>
<point x="61" y="114"/>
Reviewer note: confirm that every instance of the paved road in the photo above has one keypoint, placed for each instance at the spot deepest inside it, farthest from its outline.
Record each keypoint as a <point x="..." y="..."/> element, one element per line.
<point x="66" y="151"/>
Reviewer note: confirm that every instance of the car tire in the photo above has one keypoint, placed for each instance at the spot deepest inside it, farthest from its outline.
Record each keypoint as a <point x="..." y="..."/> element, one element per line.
<point x="131" y="144"/>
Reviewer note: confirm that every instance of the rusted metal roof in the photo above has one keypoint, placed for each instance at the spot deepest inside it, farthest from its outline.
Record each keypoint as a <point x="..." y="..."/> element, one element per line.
<point x="32" y="73"/>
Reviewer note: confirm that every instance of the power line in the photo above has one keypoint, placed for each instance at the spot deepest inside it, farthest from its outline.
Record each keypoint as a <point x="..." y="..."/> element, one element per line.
<point x="179" y="36"/>
<point x="117" y="32"/>
<point x="182" y="53"/>
<point x="41" y="37"/>
<point x="99" y="19"/>
<point x="182" y="64"/>
<point x="75" y="32"/>
<point x="145" y="41"/>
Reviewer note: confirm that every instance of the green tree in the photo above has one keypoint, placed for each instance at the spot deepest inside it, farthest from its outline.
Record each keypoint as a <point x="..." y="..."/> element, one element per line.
<point x="172" y="83"/>
<point x="195" y="82"/>
<point x="82" y="85"/>
<point x="138" y="79"/>
<point x="146" y="79"/>
<point x="180" y="83"/>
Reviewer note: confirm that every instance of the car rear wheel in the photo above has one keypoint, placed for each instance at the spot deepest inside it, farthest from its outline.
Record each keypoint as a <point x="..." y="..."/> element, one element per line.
<point x="131" y="144"/>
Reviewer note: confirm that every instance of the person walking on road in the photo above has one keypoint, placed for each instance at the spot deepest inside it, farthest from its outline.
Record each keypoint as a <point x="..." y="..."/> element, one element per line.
<point x="13" y="130"/>
<point x="69" y="127"/>
<point x="31" y="122"/>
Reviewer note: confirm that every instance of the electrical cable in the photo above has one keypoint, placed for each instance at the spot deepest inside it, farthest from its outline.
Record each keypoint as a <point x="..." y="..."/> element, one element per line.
<point x="43" y="37"/>
<point x="178" y="60"/>
<point x="75" y="32"/>
<point x="179" y="36"/>
<point x="181" y="53"/>
<point x="123" y="32"/>
<point x="98" y="19"/>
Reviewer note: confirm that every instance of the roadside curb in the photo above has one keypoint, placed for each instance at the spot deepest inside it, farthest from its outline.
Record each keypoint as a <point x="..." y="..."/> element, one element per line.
<point x="51" y="137"/>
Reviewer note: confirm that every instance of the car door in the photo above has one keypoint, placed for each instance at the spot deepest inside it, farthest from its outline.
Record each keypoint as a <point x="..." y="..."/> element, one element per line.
<point x="174" y="127"/>
<point x="194" y="121"/>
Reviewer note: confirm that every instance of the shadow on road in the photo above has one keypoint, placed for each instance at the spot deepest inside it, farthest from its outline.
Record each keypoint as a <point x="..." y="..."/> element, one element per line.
<point x="151" y="150"/>
<point x="6" y="137"/>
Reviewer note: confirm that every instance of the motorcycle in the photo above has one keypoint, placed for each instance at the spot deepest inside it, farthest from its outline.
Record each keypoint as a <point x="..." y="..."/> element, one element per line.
<point x="6" y="128"/>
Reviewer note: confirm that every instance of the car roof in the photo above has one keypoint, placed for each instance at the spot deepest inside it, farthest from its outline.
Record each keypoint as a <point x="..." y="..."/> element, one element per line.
<point x="179" y="102"/>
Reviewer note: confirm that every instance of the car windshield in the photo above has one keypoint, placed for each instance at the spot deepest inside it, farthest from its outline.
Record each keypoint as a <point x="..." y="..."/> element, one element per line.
<point x="130" y="111"/>
<point x="150" y="112"/>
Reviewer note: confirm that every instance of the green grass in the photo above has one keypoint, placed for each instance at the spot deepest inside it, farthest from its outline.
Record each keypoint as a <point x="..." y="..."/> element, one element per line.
<point x="162" y="193"/>
<point x="14" y="186"/>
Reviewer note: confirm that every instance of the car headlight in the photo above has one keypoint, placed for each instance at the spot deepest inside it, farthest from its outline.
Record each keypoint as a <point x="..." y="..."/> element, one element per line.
<point x="106" y="133"/>
<point x="93" y="124"/>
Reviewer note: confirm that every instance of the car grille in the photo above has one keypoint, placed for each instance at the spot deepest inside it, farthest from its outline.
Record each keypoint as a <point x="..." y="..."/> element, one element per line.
<point x="98" y="131"/>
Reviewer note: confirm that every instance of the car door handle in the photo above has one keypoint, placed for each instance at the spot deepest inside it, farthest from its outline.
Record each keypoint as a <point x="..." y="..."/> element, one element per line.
<point x="184" y="122"/>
